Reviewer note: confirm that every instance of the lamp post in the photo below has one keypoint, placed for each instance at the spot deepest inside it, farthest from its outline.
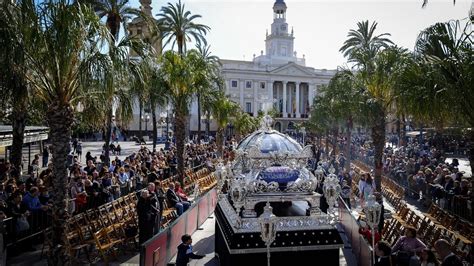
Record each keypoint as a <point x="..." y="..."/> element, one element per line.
<point x="303" y="131"/>
<point x="145" y="119"/>
<point x="372" y="211"/>
<point x="267" y="223"/>
<point x="331" y="189"/>
<point x="319" y="173"/>
<point x="221" y="172"/>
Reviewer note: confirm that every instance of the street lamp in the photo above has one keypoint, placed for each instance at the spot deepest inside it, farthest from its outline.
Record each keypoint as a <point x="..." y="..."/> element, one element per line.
<point x="221" y="172"/>
<point x="372" y="212"/>
<point x="163" y="116"/>
<point x="145" y="119"/>
<point x="303" y="131"/>
<point x="331" y="189"/>
<point x="207" y="119"/>
<point x="319" y="173"/>
<point x="268" y="230"/>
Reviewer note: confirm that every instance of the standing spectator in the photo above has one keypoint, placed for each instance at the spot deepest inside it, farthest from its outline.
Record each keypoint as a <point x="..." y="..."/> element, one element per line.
<point x="78" y="193"/>
<point x="45" y="156"/>
<point x="79" y="150"/>
<point x="147" y="210"/>
<point x="124" y="181"/>
<point x="185" y="251"/>
<point x="448" y="258"/>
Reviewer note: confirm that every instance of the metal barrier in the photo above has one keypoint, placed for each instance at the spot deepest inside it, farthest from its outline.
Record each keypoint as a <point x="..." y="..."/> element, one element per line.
<point x="160" y="249"/>
<point x="360" y="247"/>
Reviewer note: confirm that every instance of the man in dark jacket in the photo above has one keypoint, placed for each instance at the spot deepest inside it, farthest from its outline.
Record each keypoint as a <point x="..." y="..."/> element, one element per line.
<point x="185" y="251"/>
<point x="448" y="258"/>
<point x="147" y="210"/>
<point x="175" y="201"/>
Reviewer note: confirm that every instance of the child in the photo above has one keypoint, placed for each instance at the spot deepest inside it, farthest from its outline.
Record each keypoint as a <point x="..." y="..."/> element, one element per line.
<point x="185" y="251"/>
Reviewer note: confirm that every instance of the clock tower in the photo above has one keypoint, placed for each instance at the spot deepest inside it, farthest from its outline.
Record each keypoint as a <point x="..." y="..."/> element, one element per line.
<point x="279" y="43"/>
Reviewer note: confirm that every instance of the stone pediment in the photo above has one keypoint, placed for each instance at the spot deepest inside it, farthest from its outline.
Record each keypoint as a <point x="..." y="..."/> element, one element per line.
<point x="292" y="69"/>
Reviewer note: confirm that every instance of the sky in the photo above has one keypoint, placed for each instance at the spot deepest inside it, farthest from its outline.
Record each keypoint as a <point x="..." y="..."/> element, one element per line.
<point x="320" y="26"/>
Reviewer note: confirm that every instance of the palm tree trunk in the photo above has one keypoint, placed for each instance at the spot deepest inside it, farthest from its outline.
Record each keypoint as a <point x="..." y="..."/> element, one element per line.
<point x="60" y="119"/>
<point x="403" y="131"/>
<point x="378" y="137"/>
<point x="348" y="144"/>
<point x="108" y="133"/>
<point x="327" y="144"/>
<point x="199" y="117"/>
<point x="471" y="156"/>
<point x="18" y="126"/>
<point x="180" y="134"/>
<point x="153" y="118"/>
<point x="219" y="141"/>
<point x="140" y="119"/>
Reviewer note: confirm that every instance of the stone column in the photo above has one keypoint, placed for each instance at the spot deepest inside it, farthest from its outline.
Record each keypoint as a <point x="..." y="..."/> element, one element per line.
<point x="270" y="95"/>
<point x="290" y="100"/>
<point x="311" y="88"/>
<point x="256" y="105"/>
<point x="284" y="99"/>
<point x="242" y="86"/>
<point x="297" y="102"/>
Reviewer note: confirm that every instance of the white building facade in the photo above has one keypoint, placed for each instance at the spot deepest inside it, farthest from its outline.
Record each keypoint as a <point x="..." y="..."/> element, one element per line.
<point x="277" y="77"/>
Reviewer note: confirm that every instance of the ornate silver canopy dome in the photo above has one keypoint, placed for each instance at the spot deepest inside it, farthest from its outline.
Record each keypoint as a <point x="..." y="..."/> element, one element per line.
<point x="270" y="141"/>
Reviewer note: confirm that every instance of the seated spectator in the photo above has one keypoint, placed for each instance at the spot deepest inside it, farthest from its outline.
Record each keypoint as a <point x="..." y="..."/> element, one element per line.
<point x="407" y="246"/>
<point x="365" y="231"/>
<point x="180" y="192"/>
<point x="384" y="253"/>
<point x="175" y="201"/>
<point x="428" y="258"/>
<point x="448" y="258"/>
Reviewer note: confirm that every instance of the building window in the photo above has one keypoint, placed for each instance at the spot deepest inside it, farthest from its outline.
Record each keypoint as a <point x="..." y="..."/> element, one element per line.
<point x="248" y="107"/>
<point x="248" y="84"/>
<point x="262" y="85"/>
<point x="234" y="83"/>
<point x="139" y="31"/>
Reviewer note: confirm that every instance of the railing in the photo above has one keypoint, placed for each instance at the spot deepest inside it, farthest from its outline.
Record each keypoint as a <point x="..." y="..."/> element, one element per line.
<point x="359" y="246"/>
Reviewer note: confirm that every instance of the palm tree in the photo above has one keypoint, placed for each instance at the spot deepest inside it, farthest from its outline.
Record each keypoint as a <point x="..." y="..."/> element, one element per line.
<point x="156" y="89"/>
<point x="244" y="124"/>
<point x="63" y="55"/>
<point x="117" y="14"/>
<point x="380" y="90"/>
<point x="177" y="74"/>
<point x="345" y="102"/>
<point x="445" y="61"/>
<point x="14" y="29"/>
<point x="207" y="79"/>
<point x="178" y="27"/>
<point x="223" y="110"/>
<point x="363" y="48"/>
<point x="362" y="44"/>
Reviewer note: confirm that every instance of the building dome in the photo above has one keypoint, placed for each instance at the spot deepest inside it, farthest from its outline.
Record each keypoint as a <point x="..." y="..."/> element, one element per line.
<point x="270" y="141"/>
<point x="279" y="5"/>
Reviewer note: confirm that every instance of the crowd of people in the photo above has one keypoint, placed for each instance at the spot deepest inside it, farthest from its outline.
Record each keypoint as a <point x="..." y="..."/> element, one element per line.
<point x="422" y="168"/>
<point x="427" y="177"/>
<point x="27" y="199"/>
